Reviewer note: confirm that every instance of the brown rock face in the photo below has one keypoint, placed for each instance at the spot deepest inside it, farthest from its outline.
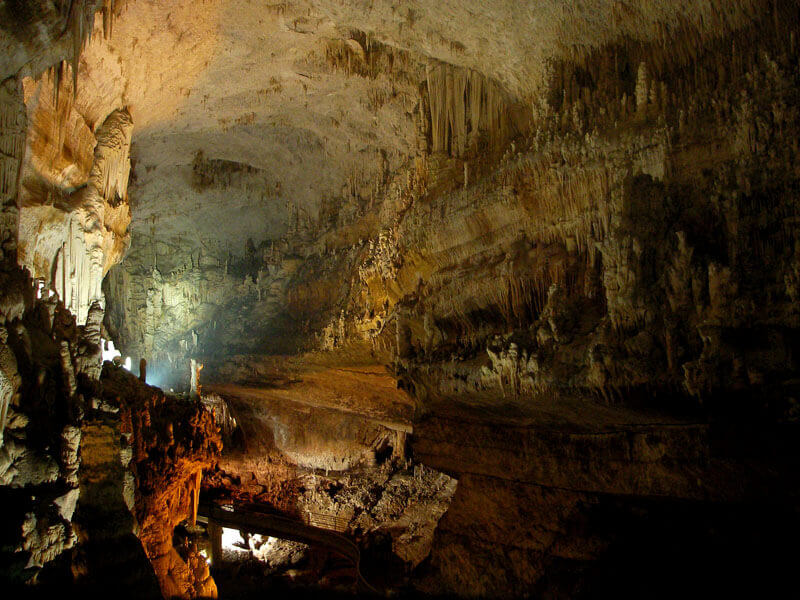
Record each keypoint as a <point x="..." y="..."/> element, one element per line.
<point x="65" y="214"/>
<point x="68" y="238"/>
<point x="171" y="445"/>
<point x="580" y="269"/>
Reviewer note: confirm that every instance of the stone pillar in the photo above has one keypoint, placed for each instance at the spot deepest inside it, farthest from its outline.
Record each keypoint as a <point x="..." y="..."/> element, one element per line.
<point x="195" y="483"/>
<point x="143" y="370"/>
<point x="399" y="447"/>
<point x="193" y="382"/>
<point x="215" y="535"/>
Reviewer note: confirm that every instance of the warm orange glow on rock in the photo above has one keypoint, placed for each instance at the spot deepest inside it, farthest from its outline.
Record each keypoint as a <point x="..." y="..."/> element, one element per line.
<point x="172" y="444"/>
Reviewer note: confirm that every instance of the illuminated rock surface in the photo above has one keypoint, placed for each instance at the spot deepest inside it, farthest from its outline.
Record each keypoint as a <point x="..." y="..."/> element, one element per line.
<point x="505" y="292"/>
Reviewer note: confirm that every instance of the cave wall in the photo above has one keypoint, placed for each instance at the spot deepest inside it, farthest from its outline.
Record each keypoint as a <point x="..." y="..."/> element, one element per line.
<point x="612" y="230"/>
<point x="626" y="233"/>
<point x="174" y="300"/>
<point x="638" y="249"/>
<point x="638" y="238"/>
<point x="627" y="247"/>
<point x="39" y="404"/>
<point x="66" y="486"/>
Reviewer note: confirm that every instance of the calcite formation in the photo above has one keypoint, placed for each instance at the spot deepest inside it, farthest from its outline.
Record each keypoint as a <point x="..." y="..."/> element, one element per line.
<point x="170" y="445"/>
<point x="70" y="239"/>
<point x="65" y="215"/>
<point x="503" y="287"/>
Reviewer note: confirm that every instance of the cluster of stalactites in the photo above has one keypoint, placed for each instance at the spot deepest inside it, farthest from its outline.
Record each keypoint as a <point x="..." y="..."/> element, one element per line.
<point x="464" y="105"/>
<point x="79" y="19"/>
<point x="12" y="147"/>
<point x="83" y="259"/>
<point x="77" y="279"/>
<point x="12" y="140"/>
<point x="112" y="164"/>
<point x="685" y="31"/>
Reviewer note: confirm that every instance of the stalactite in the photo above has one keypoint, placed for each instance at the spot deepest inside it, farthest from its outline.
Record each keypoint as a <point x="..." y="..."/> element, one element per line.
<point x="78" y="38"/>
<point x="91" y="242"/>
<point x="641" y="93"/>
<point x="108" y="18"/>
<point x="78" y="16"/>
<point x="12" y="147"/>
<point x="464" y="105"/>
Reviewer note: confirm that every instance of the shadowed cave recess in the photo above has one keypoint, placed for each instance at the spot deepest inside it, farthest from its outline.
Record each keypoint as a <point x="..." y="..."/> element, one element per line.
<point x="453" y="298"/>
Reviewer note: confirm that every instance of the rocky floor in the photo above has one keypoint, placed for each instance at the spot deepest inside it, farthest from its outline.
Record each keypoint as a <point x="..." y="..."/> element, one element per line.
<point x="391" y="510"/>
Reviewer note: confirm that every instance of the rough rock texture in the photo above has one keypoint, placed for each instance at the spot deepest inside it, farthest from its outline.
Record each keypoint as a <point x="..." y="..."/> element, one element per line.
<point x="69" y="239"/>
<point x="49" y="362"/>
<point x="169" y="444"/>
<point x="562" y="501"/>
<point x="67" y="490"/>
<point x="43" y="389"/>
<point x="358" y="104"/>
<point x="13" y="126"/>
<point x="315" y="416"/>
<point x="559" y="228"/>
<point x="37" y="34"/>
<point x="569" y="231"/>
<point x="389" y="506"/>
<point x="579" y="258"/>
<point x="405" y="504"/>
<point x="109" y="553"/>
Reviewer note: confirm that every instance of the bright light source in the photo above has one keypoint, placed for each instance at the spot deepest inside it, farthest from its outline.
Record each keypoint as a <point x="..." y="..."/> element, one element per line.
<point x="127" y="364"/>
<point x="111" y="353"/>
<point x="232" y="540"/>
<point x="261" y="546"/>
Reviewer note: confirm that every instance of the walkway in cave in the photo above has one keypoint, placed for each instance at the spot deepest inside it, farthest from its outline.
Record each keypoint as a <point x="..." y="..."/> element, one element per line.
<point x="253" y="520"/>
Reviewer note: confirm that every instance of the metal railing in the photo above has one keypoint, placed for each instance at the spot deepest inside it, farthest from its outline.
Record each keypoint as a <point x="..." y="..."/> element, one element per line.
<point x="288" y="528"/>
<point x="323" y="521"/>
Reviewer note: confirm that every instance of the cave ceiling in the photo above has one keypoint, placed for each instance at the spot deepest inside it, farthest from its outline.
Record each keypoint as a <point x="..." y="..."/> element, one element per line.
<point x="273" y="93"/>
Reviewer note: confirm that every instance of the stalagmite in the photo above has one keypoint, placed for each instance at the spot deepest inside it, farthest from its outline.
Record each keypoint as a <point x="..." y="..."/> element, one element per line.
<point x="194" y="485"/>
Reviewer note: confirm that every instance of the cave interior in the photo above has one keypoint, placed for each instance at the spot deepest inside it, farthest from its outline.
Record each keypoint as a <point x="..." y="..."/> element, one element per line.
<point x="449" y="298"/>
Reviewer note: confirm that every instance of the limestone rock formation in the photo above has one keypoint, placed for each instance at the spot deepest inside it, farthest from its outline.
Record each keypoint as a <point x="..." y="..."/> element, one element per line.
<point x="65" y="215"/>
<point x="506" y="292"/>
<point x="169" y="445"/>
<point x="71" y="240"/>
